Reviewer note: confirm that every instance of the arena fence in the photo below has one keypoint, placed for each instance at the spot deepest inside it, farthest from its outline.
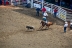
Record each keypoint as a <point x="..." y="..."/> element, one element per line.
<point x="63" y="13"/>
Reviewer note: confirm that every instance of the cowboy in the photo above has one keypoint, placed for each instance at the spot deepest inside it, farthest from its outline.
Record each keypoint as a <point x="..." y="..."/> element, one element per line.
<point x="71" y="25"/>
<point x="45" y="15"/>
<point x="43" y="22"/>
<point x="65" y="26"/>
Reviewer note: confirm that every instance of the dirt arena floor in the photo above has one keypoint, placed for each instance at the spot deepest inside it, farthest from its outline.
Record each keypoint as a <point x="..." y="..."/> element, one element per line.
<point x="13" y="32"/>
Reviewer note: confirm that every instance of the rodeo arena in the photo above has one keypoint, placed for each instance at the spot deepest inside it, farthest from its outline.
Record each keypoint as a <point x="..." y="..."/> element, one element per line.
<point x="34" y="24"/>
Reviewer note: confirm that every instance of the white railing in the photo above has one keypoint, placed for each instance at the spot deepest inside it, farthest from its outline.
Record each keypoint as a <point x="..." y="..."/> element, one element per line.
<point x="62" y="13"/>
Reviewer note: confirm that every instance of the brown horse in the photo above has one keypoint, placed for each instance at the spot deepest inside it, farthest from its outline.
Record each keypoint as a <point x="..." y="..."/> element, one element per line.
<point x="45" y="24"/>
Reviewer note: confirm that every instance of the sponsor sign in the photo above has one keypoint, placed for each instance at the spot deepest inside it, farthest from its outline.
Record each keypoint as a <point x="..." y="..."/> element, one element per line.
<point x="37" y="5"/>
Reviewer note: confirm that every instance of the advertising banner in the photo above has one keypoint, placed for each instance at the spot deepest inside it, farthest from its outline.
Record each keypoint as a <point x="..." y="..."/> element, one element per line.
<point x="37" y="5"/>
<point x="62" y="14"/>
<point x="48" y="9"/>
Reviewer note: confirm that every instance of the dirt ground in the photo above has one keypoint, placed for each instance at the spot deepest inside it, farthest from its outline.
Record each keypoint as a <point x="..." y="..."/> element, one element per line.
<point x="13" y="32"/>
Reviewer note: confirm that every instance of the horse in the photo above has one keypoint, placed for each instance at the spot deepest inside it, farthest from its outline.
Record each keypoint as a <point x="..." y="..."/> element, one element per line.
<point x="45" y="24"/>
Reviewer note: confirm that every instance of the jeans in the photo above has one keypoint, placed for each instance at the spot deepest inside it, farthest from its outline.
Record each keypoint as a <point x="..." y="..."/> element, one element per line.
<point x="65" y="29"/>
<point x="46" y="17"/>
<point x="43" y="13"/>
<point x="37" y="14"/>
<point x="55" y="14"/>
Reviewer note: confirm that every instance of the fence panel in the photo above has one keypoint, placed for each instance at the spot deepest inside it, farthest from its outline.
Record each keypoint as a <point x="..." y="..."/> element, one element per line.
<point x="62" y="14"/>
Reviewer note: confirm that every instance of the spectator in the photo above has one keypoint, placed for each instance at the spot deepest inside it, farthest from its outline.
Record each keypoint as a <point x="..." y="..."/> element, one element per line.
<point x="65" y="26"/>
<point x="37" y="11"/>
<point x="55" y="12"/>
<point x="28" y="5"/>
<point x="43" y="9"/>
<point x="71" y="25"/>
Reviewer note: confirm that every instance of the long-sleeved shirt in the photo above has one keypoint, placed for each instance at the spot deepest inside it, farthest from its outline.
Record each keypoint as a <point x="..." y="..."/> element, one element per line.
<point x="65" y="25"/>
<point x="45" y="14"/>
<point x="43" y="9"/>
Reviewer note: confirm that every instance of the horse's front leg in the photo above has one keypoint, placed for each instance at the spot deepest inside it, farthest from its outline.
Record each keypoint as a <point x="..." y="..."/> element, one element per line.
<point x="47" y="27"/>
<point x="40" y="27"/>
